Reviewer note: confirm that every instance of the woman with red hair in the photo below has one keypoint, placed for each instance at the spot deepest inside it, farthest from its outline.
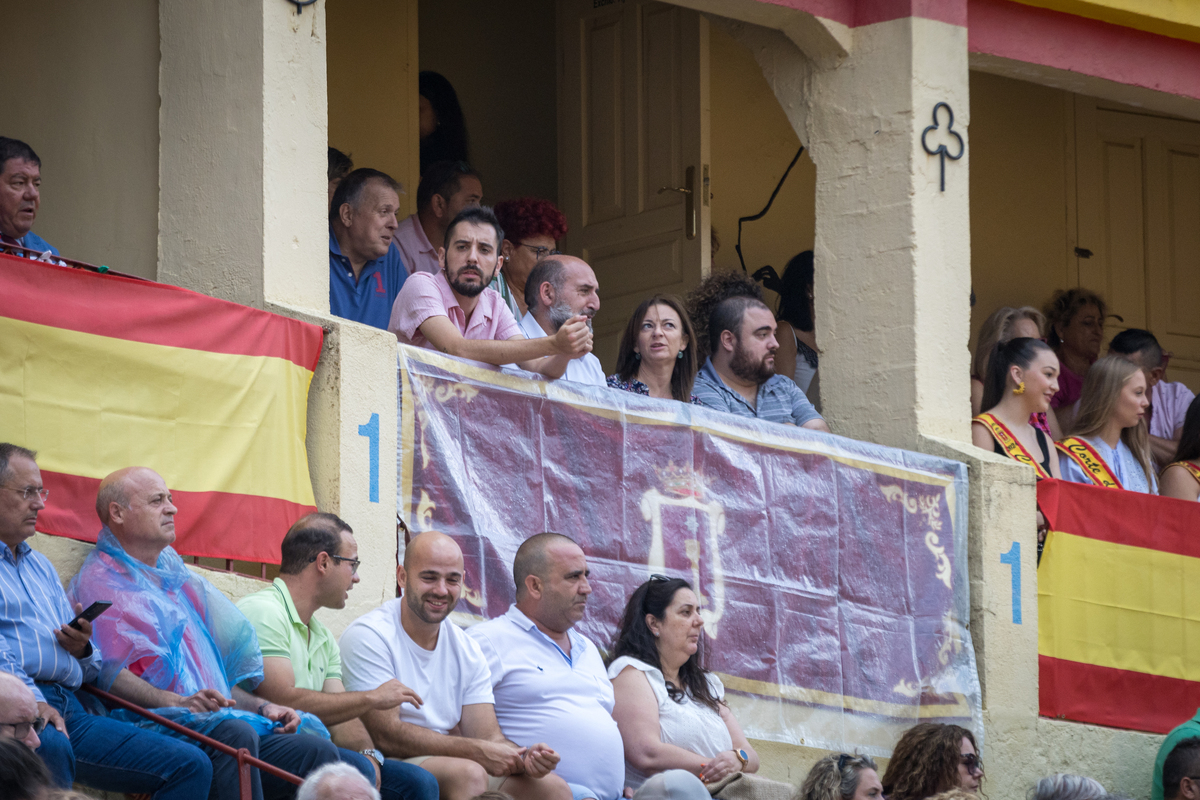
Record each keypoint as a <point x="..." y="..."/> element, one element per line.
<point x="532" y="228"/>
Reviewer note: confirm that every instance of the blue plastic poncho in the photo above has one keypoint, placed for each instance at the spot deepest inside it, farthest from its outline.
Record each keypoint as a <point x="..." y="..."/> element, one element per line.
<point x="174" y="629"/>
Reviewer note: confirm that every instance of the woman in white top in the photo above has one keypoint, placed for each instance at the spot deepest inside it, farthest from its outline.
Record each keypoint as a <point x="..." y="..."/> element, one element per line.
<point x="678" y="732"/>
<point x="1109" y="445"/>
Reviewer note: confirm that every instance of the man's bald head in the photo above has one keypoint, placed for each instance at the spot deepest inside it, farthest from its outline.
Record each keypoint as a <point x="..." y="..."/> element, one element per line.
<point x="115" y="489"/>
<point x="532" y="557"/>
<point x="432" y="576"/>
<point x="429" y="544"/>
<point x="18" y="705"/>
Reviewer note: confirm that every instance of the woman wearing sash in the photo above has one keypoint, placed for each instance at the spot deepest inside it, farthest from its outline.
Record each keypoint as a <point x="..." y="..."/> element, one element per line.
<point x="1181" y="478"/>
<point x="1022" y="377"/>
<point x="1109" y="445"/>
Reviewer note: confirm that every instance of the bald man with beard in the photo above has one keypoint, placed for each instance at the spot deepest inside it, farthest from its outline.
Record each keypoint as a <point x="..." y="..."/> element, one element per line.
<point x="559" y="288"/>
<point x="452" y="731"/>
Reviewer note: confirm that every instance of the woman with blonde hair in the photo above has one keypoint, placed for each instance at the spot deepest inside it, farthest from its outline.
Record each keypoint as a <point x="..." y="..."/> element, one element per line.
<point x="1109" y="445"/>
<point x="841" y="777"/>
<point x="1003" y="325"/>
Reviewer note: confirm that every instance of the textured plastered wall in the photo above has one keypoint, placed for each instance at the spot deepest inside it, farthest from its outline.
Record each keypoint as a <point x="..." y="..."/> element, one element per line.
<point x="372" y="56"/>
<point x="83" y="92"/>
<point x="752" y="144"/>
<point x="892" y="251"/>
<point x="242" y="151"/>
<point x="500" y="58"/>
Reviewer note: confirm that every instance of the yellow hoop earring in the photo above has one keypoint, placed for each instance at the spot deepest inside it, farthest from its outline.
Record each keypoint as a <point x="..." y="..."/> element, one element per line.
<point x="1020" y="388"/>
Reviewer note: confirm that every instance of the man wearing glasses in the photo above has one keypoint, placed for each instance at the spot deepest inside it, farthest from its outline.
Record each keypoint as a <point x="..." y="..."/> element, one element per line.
<point x="302" y="665"/>
<point x="19" y="718"/>
<point x="53" y="659"/>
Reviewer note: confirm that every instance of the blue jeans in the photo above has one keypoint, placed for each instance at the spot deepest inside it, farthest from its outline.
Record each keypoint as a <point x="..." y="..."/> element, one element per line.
<point x="400" y="781"/>
<point x="297" y="753"/>
<point x="118" y="757"/>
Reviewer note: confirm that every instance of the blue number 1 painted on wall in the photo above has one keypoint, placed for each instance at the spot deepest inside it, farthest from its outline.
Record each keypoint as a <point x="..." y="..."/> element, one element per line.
<point x="1013" y="559"/>
<point x="371" y="431"/>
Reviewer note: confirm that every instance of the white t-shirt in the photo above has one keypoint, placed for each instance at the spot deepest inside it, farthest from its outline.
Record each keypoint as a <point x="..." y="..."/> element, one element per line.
<point x="585" y="369"/>
<point x="544" y="696"/>
<point x="687" y="724"/>
<point x="375" y="649"/>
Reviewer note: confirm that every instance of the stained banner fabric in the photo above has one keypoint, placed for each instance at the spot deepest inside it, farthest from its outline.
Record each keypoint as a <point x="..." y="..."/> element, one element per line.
<point x="832" y="573"/>
<point x="99" y="372"/>
<point x="1118" y="614"/>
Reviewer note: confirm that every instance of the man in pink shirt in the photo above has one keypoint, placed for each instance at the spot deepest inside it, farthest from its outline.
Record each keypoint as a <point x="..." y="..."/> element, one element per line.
<point x="446" y="188"/>
<point x="453" y="310"/>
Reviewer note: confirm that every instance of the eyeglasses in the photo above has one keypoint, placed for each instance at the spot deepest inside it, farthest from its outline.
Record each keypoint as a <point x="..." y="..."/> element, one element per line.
<point x="658" y="577"/>
<point x="29" y="491"/>
<point x="973" y="763"/>
<point x="354" y="562"/>
<point x="22" y="729"/>
<point x="540" y="252"/>
<point x="842" y="759"/>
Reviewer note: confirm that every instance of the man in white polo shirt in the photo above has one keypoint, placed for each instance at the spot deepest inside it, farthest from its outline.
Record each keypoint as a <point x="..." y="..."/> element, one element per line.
<point x="548" y="680"/>
<point x="557" y="290"/>
<point x="451" y="730"/>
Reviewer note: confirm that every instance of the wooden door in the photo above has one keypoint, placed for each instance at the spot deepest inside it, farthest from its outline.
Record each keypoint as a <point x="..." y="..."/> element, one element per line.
<point x="633" y="120"/>
<point x="1138" y="189"/>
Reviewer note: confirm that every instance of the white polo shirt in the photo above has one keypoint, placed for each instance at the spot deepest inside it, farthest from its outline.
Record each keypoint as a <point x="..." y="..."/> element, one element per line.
<point x="544" y="696"/>
<point x="376" y="649"/>
<point x="585" y="369"/>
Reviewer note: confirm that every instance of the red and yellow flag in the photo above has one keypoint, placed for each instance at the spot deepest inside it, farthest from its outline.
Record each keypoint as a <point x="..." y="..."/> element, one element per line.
<point x="1119" y="607"/>
<point x="99" y="372"/>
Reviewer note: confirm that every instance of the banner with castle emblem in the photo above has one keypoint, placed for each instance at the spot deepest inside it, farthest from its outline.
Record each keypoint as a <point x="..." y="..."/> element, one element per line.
<point x="832" y="574"/>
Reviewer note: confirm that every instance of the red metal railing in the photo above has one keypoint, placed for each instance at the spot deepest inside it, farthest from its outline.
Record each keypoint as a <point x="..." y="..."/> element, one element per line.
<point x="244" y="759"/>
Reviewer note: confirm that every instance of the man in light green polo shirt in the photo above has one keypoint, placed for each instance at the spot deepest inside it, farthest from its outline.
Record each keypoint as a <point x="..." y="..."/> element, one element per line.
<point x="301" y="660"/>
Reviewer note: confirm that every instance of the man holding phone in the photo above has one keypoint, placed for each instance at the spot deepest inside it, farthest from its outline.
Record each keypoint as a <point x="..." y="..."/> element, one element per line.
<point x="52" y="658"/>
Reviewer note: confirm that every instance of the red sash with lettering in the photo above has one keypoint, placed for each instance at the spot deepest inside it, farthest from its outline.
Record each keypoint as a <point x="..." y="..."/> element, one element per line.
<point x="1089" y="461"/>
<point x="1192" y="469"/>
<point x="1012" y="447"/>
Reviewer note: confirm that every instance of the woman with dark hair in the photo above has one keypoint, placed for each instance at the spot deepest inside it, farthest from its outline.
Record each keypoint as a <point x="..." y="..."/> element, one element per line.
<point x="932" y="758"/>
<point x="1022" y="377"/>
<point x="1075" y="327"/>
<point x="797" y="354"/>
<point x="657" y="355"/>
<point x="679" y="735"/>
<point x="1110" y="444"/>
<point x="443" y="129"/>
<point x="1181" y="478"/>
<point x="841" y="777"/>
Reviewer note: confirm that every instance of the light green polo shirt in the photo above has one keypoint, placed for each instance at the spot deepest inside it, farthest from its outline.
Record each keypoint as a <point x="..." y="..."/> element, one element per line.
<point x="312" y="649"/>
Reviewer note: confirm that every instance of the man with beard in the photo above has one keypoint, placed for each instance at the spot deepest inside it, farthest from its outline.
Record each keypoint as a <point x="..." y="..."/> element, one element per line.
<point x="559" y="288"/>
<point x="455" y="312"/>
<point x="739" y="376"/>
<point x="452" y="730"/>
<point x="302" y="667"/>
<point x="549" y="680"/>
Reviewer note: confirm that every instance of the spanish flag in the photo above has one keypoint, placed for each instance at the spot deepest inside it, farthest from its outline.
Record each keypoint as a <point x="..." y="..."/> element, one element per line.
<point x="1118" y="607"/>
<point x="99" y="372"/>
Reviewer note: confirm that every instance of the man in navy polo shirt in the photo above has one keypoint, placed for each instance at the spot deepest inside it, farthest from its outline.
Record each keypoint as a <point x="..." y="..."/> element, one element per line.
<point x="20" y="196"/>
<point x="365" y="267"/>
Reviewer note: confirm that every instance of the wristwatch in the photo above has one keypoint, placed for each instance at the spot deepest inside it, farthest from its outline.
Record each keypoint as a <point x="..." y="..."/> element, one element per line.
<point x="742" y="757"/>
<point x="373" y="754"/>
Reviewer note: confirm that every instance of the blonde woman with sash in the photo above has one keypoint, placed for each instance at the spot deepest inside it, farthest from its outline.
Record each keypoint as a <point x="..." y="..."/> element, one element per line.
<point x="1022" y="377"/>
<point x="1109" y="445"/>
<point x="1181" y="478"/>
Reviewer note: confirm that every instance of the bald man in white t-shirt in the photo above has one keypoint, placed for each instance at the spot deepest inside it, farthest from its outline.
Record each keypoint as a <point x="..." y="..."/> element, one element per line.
<point x="453" y="732"/>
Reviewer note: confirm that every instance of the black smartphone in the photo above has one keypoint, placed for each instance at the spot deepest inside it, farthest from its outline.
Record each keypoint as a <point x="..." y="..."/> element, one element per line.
<point x="90" y="613"/>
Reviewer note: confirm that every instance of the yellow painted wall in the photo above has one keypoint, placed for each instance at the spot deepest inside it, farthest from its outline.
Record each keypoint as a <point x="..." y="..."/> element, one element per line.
<point x="500" y="58"/>
<point x="1020" y="180"/>
<point x="371" y="58"/>
<point x="752" y="144"/>
<point x="86" y="100"/>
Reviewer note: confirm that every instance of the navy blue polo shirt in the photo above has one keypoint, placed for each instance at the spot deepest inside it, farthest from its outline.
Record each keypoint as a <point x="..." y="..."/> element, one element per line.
<point x="370" y="300"/>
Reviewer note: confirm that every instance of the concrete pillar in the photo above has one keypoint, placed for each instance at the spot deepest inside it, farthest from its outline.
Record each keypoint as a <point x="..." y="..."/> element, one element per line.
<point x="242" y="130"/>
<point x="892" y="251"/>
